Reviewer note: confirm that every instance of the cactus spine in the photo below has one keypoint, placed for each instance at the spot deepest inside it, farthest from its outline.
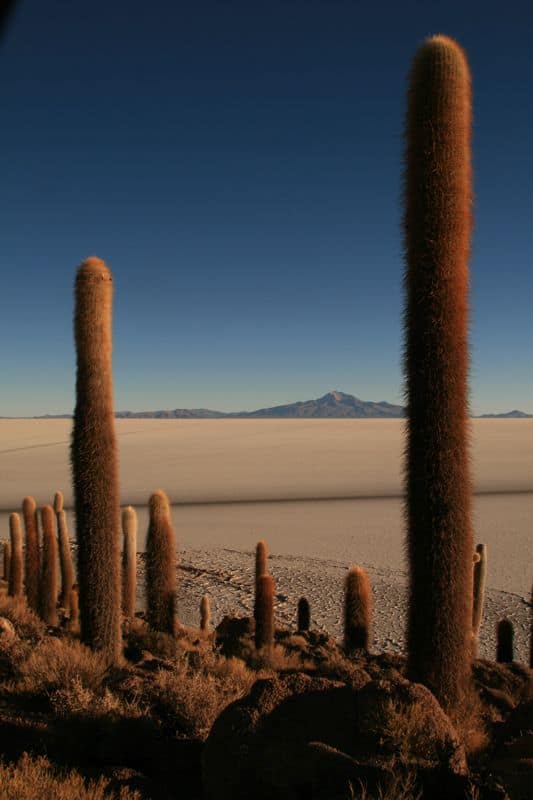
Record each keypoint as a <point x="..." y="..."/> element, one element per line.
<point x="480" y="577"/>
<point x="129" y="561"/>
<point x="32" y="554"/>
<point x="49" y="578"/>
<point x="7" y="561"/>
<point x="504" y="641"/>
<point x="95" y="464"/>
<point x="15" y="571"/>
<point x="264" y="617"/>
<point x="161" y="580"/>
<point x="438" y="198"/>
<point x="304" y="614"/>
<point x="357" y="610"/>
<point x="65" y="554"/>
<point x="205" y="614"/>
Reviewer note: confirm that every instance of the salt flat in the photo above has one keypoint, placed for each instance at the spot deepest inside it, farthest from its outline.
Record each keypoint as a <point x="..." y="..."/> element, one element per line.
<point x="318" y="488"/>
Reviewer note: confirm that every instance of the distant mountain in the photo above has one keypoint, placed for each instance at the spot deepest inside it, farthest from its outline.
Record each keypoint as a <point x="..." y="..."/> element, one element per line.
<point x="333" y="404"/>
<point x="509" y="415"/>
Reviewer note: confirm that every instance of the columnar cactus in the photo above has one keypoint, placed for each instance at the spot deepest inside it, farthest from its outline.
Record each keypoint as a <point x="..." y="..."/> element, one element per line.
<point x="504" y="641"/>
<point x="65" y="554"/>
<point x="74" y="618"/>
<point x="7" y="561"/>
<point x="304" y="614"/>
<point x="95" y="464"/>
<point x="129" y="561"/>
<point x="161" y="578"/>
<point x="357" y="610"/>
<point x="15" y="588"/>
<point x="264" y="618"/>
<point x="438" y="199"/>
<point x="49" y="577"/>
<point x="261" y="566"/>
<point x="205" y="614"/>
<point x="531" y="631"/>
<point x="32" y="553"/>
<point x="480" y="577"/>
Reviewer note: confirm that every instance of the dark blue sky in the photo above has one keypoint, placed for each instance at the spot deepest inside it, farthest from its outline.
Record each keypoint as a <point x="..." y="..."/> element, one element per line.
<point x="238" y="165"/>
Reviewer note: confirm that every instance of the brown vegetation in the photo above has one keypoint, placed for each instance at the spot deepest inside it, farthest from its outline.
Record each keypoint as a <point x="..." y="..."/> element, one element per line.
<point x="49" y="578"/>
<point x="129" y="561"/>
<point x="357" y="610"/>
<point x="32" y="553"/>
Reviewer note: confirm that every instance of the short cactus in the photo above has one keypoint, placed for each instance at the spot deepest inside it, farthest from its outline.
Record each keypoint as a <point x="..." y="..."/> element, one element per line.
<point x="264" y="616"/>
<point x="65" y="553"/>
<point x="15" y="588"/>
<point x="205" y="614"/>
<point x="304" y="614"/>
<point x="129" y="561"/>
<point x="480" y="576"/>
<point x="504" y="642"/>
<point x="261" y="565"/>
<point x="161" y="578"/>
<point x="357" y="610"/>
<point x="49" y="577"/>
<point x="32" y="553"/>
<point x="7" y="561"/>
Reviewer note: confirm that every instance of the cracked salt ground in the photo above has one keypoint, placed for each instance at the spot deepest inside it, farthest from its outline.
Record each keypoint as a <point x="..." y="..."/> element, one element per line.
<point x="227" y="576"/>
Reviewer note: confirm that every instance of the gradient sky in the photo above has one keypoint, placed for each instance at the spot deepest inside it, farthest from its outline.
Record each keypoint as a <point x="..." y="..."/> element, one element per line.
<point x="238" y="165"/>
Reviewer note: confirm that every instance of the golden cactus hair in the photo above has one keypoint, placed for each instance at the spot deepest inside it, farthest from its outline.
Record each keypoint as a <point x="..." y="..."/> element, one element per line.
<point x="95" y="464"/>
<point x="357" y="610"/>
<point x="15" y="586"/>
<point x="161" y="562"/>
<point x="129" y="561"/>
<point x="49" y="576"/>
<point x="437" y="225"/>
<point x="32" y="555"/>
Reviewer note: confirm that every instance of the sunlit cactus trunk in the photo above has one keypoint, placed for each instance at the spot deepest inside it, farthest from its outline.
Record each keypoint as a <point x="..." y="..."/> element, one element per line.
<point x="49" y="577"/>
<point x="32" y="556"/>
<point x="65" y="554"/>
<point x="438" y="199"/>
<point x="15" y="586"/>
<point x="161" y="562"/>
<point x="129" y="561"/>
<point x="357" y="610"/>
<point x="95" y="464"/>
<point x="480" y="578"/>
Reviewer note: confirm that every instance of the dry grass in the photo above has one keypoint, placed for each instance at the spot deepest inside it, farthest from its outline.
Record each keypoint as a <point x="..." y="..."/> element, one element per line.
<point x="56" y="663"/>
<point x="26" y="623"/>
<point x="33" y="778"/>
<point x="402" y="787"/>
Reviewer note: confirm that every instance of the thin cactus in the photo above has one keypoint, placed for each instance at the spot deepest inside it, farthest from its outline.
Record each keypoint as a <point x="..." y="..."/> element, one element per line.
<point x="65" y="552"/>
<point x="304" y="614"/>
<point x="480" y="577"/>
<point x="437" y="224"/>
<point x="15" y="587"/>
<point x="261" y="566"/>
<point x="95" y="464"/>
<point x="264" y="619"/>
<point x="504" y="642"/>
<point x="129" y="561"/>
<point x="74" y="607"/>
<point x="32" y="556"/>
<point x="357" y="610"/>
<point x="161" y="577"/>
<point x="7" y="561"/>
<point x="205" y="614"/>
<point x="49" y="576"/>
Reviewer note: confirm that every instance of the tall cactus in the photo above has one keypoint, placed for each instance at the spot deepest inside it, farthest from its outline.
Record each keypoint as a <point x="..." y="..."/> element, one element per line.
<point x="480" y="577"/>
<point x="504" y="641"/>
<point x="129" y="561"/>
<point x="15" y="588"/>
<point x="264" y="618"/>
<point x="161" y="578"/>
<point x="357" y="610"/>
<point x="438" y="199"/>
<point x="49" y="577"/>
<point x="32" y="554"/>
<point x="261" y="567"/>
<point x="7" y="561"/>
<point x="95" y="464"/>
<point x="65" y="554"/>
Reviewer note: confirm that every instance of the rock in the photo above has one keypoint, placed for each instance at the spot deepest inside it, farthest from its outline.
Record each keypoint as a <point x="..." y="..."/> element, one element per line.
<point x="298" y="735"/>
<point x="7" y="630"/>
<point x="233" y="634"/>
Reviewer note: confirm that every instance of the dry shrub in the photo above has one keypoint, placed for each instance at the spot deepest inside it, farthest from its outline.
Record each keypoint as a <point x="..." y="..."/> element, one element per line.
<point x="75" y="699"/>
<point x="400" y="787"/>
<point x="26" y="623"/>
<point x="470" y="725"/>
<point x="56" y="663"/>
<point x="32" y="778"/>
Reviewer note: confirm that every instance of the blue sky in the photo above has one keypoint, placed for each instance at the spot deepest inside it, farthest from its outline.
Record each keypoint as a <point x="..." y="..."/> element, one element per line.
<point x="238" y="165"/>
